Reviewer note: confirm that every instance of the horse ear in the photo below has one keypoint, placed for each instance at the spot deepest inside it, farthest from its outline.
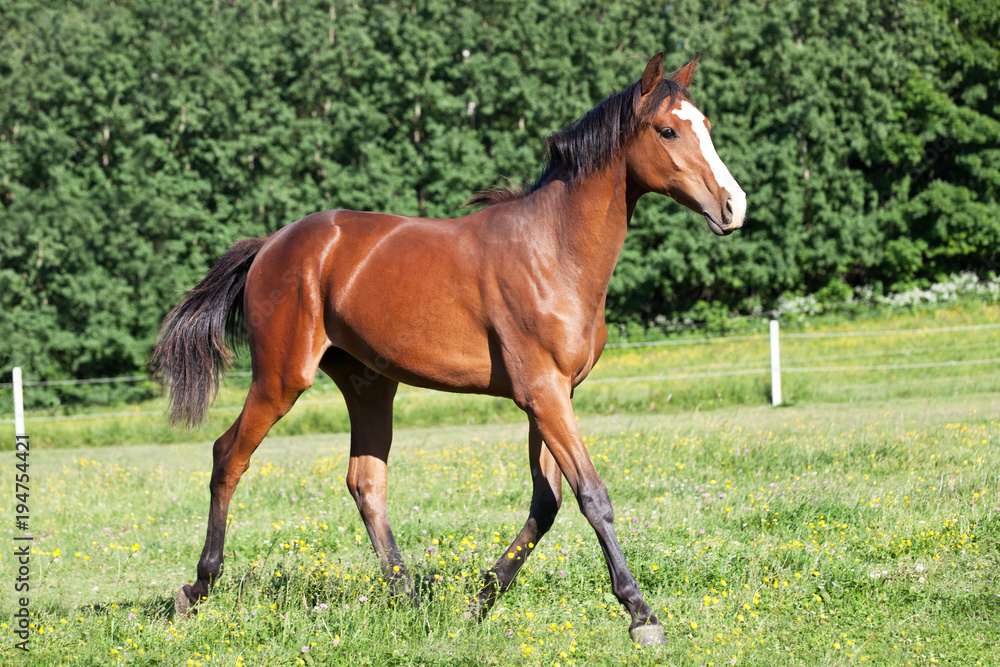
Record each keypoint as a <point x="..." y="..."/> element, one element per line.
<point x="653" y="73"/>
<point x="685" y="75"/>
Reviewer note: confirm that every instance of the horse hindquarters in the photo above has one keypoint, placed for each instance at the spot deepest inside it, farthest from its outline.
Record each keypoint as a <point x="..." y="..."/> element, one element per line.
<point x="283" y="314"/>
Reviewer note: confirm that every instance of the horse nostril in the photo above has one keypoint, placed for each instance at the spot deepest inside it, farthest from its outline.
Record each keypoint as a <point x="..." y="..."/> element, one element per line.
<point x="729" y="206"/>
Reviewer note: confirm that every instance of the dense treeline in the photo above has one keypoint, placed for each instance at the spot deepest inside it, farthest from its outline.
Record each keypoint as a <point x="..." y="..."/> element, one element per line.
<point x="139" y="139"/>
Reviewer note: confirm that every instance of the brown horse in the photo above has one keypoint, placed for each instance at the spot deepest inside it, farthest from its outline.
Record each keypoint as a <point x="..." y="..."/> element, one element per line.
<point x="506" y="301"/>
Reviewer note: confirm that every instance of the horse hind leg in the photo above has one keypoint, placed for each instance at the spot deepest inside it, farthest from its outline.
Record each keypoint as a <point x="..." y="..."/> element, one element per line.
<point x="546" y="498"/>
<point x="369" y="398"/>
<point x="271" y="396"/>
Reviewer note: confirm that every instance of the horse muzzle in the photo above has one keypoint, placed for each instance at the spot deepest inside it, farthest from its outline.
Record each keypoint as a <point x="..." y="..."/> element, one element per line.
<point x="731" y="215"/>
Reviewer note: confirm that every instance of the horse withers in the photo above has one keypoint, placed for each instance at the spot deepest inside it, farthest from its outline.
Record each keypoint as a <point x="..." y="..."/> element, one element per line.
<point x="506" y="301"/>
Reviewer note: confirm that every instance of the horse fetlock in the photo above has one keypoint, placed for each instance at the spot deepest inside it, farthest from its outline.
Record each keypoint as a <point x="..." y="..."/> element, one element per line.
<point x="401" y="585"/>
<point x="209" y="571"/>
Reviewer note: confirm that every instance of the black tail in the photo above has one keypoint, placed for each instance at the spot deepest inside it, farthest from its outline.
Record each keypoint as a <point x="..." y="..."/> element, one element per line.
<point x="191" y="352"/>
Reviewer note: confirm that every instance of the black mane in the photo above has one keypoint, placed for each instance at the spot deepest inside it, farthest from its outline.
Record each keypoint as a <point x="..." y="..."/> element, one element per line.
<point x="592" y="142"/>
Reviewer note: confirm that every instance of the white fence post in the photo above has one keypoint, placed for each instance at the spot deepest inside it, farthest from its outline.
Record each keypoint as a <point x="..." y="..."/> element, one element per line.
<point x="18" y="404"/>
<point x="775" y="365"/>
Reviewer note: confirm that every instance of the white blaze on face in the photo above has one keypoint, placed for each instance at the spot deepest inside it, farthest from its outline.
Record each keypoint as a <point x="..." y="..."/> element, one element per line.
<point x="689" y="112"/>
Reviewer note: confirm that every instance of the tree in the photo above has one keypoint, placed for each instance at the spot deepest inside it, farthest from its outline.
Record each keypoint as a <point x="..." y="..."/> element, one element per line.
<point x="138" y="140"/>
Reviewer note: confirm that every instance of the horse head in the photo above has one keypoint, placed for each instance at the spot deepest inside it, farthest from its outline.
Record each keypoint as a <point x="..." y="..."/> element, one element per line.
<point x="673" y="153"/>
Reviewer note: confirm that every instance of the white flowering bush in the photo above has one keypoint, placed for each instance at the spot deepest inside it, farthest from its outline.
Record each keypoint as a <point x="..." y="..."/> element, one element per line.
<point x="954" y="288"/>
<point x="799" y="305"/>
<point x="714" y="319"/>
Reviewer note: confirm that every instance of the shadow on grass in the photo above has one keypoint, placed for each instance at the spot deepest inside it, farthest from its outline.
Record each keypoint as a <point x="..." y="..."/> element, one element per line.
<point x="160" y="607"/>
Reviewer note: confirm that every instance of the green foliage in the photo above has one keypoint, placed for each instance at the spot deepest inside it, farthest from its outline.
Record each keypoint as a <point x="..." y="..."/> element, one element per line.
<point x="865" y="134"/>
<point x="138" y="140"/>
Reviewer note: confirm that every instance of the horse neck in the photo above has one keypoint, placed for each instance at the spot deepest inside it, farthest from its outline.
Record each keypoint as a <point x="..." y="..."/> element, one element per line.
<point x="590" y="218"/>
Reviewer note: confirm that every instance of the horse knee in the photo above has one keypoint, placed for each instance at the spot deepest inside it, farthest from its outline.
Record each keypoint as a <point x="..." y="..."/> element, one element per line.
<point x="595" y="503"/>
<point x="353" y="482"/>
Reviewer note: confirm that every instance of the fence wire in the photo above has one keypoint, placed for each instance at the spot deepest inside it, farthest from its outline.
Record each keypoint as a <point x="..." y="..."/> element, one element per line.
<point x="693" y="371"/>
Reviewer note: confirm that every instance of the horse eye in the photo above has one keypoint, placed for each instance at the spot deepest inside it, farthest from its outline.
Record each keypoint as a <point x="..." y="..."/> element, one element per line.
<point x="668" y="133"/>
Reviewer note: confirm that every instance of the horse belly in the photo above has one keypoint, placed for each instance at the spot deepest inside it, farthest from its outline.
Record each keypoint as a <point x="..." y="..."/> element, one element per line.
<point x="417" y="347"/>
<point x="408" y="306"/>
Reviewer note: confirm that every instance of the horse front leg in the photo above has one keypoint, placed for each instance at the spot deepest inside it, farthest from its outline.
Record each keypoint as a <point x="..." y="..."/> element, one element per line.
<point x="546" y="497"/>
<point x="550" y="407"/>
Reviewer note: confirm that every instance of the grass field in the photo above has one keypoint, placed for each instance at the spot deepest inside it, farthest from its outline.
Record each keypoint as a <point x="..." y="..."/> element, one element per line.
<point x="856" y="525"/>
<point x="808" y="535"/>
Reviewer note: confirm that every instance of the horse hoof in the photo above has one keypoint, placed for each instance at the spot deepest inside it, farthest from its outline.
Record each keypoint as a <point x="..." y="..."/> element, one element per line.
<point x="183" y="604"/>
<point x="475" y="612"/>
<point x="404" y="590"/>
<point x="648" y="635"/>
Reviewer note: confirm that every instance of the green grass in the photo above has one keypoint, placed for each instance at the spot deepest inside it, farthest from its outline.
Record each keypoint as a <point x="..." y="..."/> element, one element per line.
<point x="819" y="534"/>
<point x="857" y="524"/>
<point x="667" y="379"/>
